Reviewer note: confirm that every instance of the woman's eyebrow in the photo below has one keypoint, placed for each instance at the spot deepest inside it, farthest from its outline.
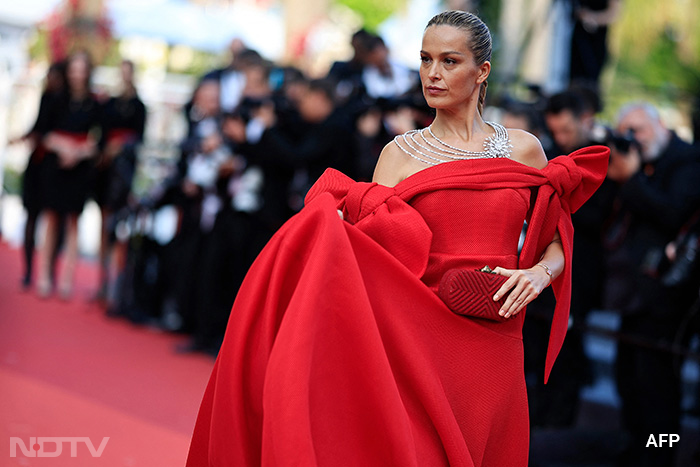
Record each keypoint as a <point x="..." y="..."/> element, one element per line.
<point x="449" y="52"/>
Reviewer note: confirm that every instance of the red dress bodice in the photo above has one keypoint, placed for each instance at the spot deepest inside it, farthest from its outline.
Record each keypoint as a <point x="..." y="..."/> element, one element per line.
<point x="472" y="229"/>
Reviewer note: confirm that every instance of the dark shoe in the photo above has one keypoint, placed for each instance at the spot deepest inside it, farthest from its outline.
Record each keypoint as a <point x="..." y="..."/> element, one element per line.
<point x="190" y="346"/>
<point x="193" y="346"/>
<point x="101" y="295"/>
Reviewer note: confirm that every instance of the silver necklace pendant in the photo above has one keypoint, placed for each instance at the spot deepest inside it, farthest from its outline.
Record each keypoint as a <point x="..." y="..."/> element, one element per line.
<point x="422" y="149"/>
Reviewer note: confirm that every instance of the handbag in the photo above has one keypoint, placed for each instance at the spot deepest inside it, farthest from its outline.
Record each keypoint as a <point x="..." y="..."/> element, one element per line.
<point x="470" y="292"/>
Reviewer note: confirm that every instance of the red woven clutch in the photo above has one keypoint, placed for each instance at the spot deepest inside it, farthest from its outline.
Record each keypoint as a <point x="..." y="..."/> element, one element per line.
<point x="470" y="293"/>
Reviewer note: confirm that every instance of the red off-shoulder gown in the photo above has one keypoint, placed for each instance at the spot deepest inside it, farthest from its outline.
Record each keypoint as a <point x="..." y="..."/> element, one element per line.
<point x="338" y="351"/>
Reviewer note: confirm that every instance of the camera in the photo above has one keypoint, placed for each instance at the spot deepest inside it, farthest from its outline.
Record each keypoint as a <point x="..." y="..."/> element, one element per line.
<point x="621" y="142"/>
<point x="247" y="107"/>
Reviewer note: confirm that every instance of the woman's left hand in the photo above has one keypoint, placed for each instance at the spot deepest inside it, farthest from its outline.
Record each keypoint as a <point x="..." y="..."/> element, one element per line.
<point x="524" y="285"/>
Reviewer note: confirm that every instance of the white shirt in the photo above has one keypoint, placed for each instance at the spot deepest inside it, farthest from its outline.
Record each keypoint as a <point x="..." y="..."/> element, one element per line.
<point x="378" y="85"/>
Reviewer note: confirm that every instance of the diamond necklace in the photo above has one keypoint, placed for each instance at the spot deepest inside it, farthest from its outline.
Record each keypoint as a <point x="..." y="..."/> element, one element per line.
<point x="496" y="145"/>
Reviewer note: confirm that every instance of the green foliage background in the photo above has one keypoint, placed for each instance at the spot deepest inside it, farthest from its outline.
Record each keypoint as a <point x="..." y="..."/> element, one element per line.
<point x="373" y="12"/>
<point x="654" y="47"/>
<point x="655" y="53"/>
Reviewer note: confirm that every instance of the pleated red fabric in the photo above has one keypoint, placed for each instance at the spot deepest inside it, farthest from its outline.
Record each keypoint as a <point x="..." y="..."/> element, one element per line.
<point x="338" y="351"/>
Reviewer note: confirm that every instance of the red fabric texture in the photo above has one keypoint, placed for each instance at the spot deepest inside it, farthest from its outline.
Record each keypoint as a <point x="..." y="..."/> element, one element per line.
<point x="338" y="350"/>
<point x="121" y="136"/>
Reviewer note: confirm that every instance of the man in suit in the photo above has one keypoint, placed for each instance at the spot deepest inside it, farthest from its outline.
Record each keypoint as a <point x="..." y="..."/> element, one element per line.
<point x="659" y="189"/>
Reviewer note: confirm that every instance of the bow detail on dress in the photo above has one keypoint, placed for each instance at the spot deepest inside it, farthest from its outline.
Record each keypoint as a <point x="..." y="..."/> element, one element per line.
<point x="380" y="213"/>
<point x="571" y="180"/>
<point x="384" y="213"/>
<point x="575" y="177"/>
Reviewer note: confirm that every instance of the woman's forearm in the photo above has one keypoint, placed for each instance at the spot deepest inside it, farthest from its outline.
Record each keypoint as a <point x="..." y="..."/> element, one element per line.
<point x="524" y="285"/>
<point x="552" y="258"/>
<point x="54" y="143"/>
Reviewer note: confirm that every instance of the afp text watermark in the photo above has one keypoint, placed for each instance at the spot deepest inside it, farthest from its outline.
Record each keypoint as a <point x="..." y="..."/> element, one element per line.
<point x="663" y="439"/>
<point x="52" y="446"/>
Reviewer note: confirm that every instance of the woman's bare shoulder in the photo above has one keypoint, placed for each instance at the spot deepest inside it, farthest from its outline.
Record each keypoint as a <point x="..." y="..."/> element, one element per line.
<point x="392" y="166"/>
<point x="527" y="149"/>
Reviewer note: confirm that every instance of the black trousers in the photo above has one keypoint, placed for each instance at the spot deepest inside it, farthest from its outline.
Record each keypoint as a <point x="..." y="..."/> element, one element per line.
<point x="227" y="253"/>
<point x="648" y="381"/>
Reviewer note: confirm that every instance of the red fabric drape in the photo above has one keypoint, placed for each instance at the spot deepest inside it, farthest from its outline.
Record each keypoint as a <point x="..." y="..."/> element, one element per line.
<point x="337" y="353"/>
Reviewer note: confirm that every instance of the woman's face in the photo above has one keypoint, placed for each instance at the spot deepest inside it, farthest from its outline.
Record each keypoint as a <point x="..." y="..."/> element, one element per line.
<point x="78" y="73"/>
<point x="206" y="98"/>
<point x="448" y="73"/>
<point x="127" y="71"/>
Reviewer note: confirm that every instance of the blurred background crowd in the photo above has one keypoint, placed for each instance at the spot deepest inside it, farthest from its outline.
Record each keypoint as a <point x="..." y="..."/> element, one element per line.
<point x="170" y="156"/>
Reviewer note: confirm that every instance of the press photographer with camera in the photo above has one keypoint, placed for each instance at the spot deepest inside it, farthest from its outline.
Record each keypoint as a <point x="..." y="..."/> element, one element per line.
<point x="569" y="118"/>
<point x="658" y="176"/>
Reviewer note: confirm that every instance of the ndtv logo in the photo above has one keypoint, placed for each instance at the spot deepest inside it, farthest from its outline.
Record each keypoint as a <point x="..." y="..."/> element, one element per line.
<point x="37" y="446"/>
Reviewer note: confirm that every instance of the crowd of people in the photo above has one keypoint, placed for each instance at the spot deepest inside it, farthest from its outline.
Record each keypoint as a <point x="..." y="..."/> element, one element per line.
<point x="634" y="252"/>
<point x="83" y="145"/>
<point x="258" y="137"/>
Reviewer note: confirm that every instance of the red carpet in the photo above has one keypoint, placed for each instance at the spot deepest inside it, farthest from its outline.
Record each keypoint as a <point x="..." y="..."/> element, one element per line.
<point x="67" y="370"/>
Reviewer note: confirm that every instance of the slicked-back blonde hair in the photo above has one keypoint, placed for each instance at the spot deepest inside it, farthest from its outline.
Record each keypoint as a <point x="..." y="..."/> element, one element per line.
<point x="480" y="42"/>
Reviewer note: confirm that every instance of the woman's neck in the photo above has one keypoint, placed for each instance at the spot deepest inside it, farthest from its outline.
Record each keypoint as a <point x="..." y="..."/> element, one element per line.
<point x="78" y="93"/>
<point x="463" y="126"/>
<point x="128" y="91"/>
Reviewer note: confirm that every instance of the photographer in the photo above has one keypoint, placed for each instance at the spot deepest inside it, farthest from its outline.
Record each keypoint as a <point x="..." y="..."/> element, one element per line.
<point x="659" y="188"/>
<point x="569" y="118"/>
<point x="321" y="138"/>
<point x="378" y="124"/>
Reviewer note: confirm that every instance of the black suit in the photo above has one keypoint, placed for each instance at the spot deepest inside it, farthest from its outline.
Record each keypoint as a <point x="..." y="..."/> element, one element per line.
<point x="312" y="147"/>
<point x="557" y="403"/>
<point x="651" y="208"/>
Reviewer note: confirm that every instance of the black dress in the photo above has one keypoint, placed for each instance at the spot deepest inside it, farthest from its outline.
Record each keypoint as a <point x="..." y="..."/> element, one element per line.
<point x="32" y="197"/>
<point x="123" y="119"/>
<point x="589" y="50"/>
<point x="65" y="190"/>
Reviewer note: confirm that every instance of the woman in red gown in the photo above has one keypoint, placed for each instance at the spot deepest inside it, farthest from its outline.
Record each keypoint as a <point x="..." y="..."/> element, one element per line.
<point x="339" y="350"/>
